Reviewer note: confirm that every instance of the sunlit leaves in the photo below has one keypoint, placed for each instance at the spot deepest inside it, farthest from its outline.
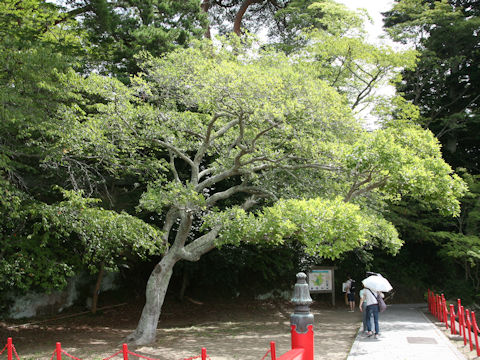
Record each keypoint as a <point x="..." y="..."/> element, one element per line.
<point x="105" y="236"/>
<point x="409" y="161"/>
<point x="326" y="228"/>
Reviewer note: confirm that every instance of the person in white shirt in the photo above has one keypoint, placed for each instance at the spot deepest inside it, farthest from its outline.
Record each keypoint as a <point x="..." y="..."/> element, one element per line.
<point x="370" y="298"/>
<point x="363" y="309"/>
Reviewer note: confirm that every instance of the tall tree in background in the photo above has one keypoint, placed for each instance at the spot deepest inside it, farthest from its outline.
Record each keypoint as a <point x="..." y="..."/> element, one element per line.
<point x="119" y="29"/>
<point x="283" y="21"/>
<point x="445" y="86"/>
<point x="33" y="52"/>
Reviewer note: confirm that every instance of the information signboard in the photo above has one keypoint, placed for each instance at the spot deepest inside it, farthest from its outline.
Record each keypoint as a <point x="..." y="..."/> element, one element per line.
<point x="321" y="280"/>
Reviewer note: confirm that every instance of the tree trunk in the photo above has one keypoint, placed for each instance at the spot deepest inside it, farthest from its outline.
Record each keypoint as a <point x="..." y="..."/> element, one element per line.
<point x="96" y="291"/>
<point x="157" y="285"/>
<point x="205" y="7"/>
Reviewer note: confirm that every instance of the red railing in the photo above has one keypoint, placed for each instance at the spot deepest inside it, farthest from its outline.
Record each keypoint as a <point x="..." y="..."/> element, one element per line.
<point x="294" y="354"/>
<point x="302" y="342"/>
<point x="467" y="323"/>
<point x="57" y="353"/>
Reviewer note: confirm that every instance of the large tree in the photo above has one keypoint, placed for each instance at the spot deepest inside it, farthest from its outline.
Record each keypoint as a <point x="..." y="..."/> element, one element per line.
<point x="445" y="88"/>
<point x="247" y="145"/>
<point x="445" y="83"/>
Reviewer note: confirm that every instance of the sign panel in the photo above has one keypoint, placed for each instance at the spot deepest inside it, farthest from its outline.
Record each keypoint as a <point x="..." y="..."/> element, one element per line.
<point x="320" y="280"/>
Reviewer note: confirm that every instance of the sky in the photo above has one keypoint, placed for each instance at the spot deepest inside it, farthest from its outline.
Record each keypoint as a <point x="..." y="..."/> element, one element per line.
<point x="374" y="29"/>
<point x="374" y="8"/>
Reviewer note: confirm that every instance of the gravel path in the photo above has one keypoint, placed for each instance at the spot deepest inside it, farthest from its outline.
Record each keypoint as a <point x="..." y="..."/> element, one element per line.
<point x="236" y="330"/>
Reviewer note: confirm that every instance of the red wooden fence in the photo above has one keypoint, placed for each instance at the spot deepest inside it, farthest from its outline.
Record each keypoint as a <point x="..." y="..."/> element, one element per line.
<point x="58" y="352"/>
<point x="467" y="323"/>
<point x="301" y="332"/>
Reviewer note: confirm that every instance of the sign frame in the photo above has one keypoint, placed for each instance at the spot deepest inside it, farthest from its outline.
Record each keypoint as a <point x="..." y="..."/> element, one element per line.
<point x="329" y="269"/>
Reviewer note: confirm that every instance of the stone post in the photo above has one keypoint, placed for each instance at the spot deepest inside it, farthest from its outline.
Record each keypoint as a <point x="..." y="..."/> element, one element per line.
<point x="301" y="321"/>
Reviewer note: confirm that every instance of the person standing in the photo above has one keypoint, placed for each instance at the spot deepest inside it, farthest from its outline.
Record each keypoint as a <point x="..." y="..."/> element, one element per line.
<point x="351" y="289"/>
<point x="363" y="309"/>
<point x="370" y="298"/>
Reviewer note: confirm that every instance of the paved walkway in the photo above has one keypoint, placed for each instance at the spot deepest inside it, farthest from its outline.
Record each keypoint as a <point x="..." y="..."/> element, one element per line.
<point x="405" y="334"/>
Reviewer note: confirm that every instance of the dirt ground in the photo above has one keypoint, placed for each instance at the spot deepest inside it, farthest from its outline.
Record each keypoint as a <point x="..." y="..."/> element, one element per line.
<point x="228" y="330"/>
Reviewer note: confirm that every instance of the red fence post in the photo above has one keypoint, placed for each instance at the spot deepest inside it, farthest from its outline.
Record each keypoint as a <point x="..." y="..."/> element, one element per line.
<point x="433" y="303"/>
<point x="125" y="351"/>
<point x="460" y="320"/>
<point x="445" y="311"/>
<point x="9" y="348"/>
<point x="58" y="351"/>
<point x="453" y="330"/>
<point x="464" y="327"/>
<point x="301" y="321"/>
<point x="475" y="332"/>
<point x="442" y="307"/>
<point x="273" y="354"/>
<point x="204" y="353"/>
<point x="469" y="327"/>
<point x="440" y="310"/>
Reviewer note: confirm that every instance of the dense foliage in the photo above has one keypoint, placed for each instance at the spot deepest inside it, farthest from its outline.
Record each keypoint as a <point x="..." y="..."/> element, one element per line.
<point x="444" y="86"/>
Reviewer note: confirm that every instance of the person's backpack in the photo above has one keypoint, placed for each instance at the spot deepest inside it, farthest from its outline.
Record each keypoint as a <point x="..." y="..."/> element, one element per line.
<point x="352" y="286"/>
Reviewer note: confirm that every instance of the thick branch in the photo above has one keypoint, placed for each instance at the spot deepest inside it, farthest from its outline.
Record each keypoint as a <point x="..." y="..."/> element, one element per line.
<point x="225" y="128"/>
<point x="237" y="189"/>
<point x="170" y="218"/>
<point x="266" y="165"/>
<point x="176" y="151"/>
<point x="205" y="243"/>
<point x="368" y="188"/>
<point x="217" y="178"/>
<point x="204" y="173"/>
<point x="183" y="230"/>
<point x="200" y="246"/>
<point x="237" y="24"/>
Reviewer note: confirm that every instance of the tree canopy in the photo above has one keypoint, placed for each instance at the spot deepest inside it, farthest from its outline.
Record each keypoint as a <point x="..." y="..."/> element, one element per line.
<point x="217" y="127"/>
